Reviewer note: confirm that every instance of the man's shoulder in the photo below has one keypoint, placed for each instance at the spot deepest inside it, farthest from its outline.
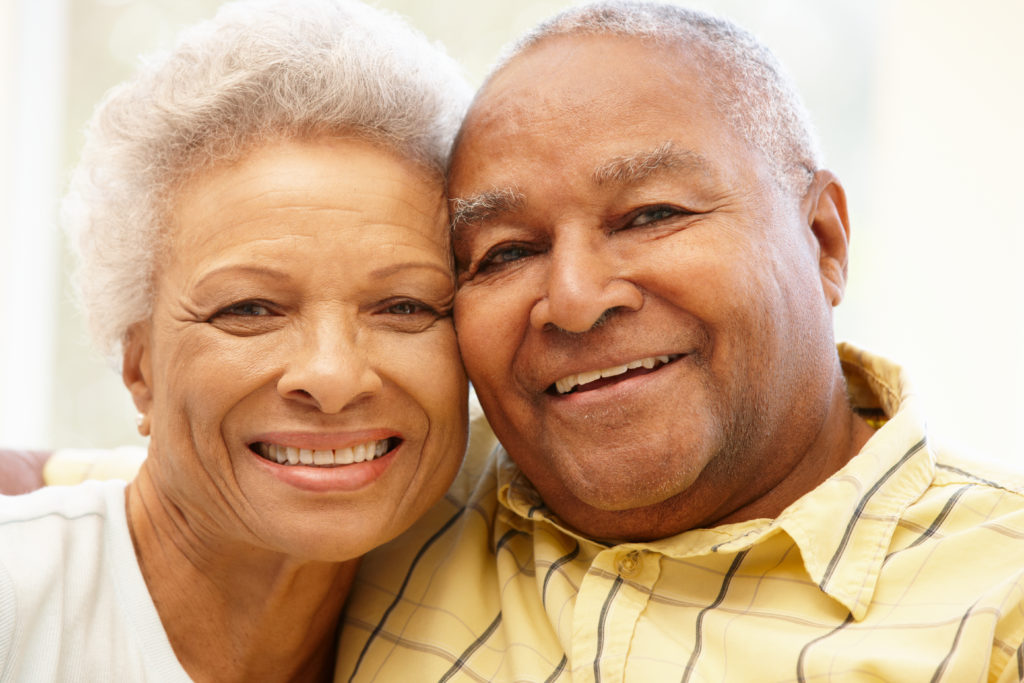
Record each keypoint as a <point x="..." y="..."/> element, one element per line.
<point x="467" y="510"/>
<point x="972" y="495"/>
<point x="437" y="577"/>
<point x="954" y="468"/>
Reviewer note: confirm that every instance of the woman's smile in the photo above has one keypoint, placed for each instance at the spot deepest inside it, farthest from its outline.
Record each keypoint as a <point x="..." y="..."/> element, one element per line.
<point x="324" y="457"/>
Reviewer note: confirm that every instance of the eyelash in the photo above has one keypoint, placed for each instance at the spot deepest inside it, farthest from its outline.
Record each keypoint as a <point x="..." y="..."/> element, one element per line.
<point x="236" y="308"/>
<point x="493" y="258"/>
<point x="418" y="305"/>
<point x="660" y="211"/>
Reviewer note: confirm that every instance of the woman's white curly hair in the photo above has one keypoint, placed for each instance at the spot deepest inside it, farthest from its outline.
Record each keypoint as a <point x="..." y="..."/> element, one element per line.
<point x="258" y="71"/>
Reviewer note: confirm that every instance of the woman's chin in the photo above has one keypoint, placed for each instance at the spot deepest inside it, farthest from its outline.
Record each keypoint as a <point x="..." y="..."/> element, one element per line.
<point x="329" y="513"/>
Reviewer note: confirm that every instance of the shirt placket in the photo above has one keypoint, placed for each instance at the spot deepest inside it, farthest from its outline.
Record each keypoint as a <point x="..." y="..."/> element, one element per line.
<point x="612" y="598"/>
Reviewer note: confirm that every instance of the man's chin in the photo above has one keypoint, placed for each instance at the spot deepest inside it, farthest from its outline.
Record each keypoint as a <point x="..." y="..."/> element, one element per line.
<point x="613" y="511"/>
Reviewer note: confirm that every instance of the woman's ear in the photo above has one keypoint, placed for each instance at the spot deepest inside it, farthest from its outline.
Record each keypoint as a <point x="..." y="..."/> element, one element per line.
<point x="825" y="203"/>
<point x="136" y="371"/>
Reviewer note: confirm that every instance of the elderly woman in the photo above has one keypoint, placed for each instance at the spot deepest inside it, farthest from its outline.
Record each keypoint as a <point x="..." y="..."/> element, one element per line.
<point x="261" y="225"/>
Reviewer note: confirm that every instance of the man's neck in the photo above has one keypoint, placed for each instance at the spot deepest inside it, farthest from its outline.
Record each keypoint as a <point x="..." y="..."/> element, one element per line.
<point x="838" y="445"/>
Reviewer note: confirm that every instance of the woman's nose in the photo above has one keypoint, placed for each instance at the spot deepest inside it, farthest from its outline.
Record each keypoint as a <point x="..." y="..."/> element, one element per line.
<point x="328" y="368"/>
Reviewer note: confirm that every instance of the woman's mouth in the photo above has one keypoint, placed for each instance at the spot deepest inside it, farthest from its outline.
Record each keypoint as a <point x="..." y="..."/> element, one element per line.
<point x="288" y="455"/>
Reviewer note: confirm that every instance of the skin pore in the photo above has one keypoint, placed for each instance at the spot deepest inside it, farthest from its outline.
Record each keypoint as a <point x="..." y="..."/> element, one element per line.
<point x="663" y="259"/>
<point x="302" y="310"/>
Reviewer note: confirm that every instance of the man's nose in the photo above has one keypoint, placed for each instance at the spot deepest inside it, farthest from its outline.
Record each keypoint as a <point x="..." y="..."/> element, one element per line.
<point x="328" y="368"/>
<point x="584" y="281"/>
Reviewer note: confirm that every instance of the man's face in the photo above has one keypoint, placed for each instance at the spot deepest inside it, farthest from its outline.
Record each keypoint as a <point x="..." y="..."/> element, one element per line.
<point x="640" y="309"/>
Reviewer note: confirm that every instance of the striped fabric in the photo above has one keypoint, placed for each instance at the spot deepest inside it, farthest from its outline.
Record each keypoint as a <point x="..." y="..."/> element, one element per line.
<point x="906" y="565"/>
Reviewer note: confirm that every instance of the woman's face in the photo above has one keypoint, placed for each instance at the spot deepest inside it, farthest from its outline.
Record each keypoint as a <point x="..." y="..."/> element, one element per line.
<point x="300" y="371"/>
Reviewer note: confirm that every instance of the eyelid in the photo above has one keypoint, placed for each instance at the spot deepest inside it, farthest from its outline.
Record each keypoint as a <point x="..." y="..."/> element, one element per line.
<point x="423" y="308"/>
<point x="439" y="309"/>
<point x="228" y="310"/>
<point x="489" y="262"/>
<point x="632" y="218"/>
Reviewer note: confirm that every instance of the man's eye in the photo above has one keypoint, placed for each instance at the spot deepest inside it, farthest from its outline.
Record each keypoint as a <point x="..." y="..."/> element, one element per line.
<point x="503" y="254"/>
<point x="653" y="215"/>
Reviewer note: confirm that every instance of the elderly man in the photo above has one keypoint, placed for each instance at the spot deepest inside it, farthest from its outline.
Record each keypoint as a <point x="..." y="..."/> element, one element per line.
<point x="693" y="484"/>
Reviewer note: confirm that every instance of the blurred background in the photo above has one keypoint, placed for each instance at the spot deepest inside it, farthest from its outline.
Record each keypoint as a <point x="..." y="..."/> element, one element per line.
<point x="919" y="105"/>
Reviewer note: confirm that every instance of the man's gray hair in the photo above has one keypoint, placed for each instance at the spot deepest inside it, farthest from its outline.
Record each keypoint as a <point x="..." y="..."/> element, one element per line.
<point x="751" y="88"/>
<point x="258" y="71"/>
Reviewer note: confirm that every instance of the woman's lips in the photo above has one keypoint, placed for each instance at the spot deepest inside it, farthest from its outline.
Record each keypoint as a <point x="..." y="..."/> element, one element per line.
<point x="324" y="457"/>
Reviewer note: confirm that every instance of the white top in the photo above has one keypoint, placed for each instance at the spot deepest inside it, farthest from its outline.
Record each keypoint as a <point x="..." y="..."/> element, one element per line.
<point x="73" y="603"/>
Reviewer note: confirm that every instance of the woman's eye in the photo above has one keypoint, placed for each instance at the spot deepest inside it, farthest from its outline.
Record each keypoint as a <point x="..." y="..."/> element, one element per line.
<point x="248" y="318"/>
<point x="246" y="309"/>
<point x="409" y="316"/>
<point x="405" y="308"/>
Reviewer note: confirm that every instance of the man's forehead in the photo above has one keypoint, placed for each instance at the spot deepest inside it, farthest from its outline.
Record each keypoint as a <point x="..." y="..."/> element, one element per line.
<point x="629" y="166"/>
<point x="620" y="169"/>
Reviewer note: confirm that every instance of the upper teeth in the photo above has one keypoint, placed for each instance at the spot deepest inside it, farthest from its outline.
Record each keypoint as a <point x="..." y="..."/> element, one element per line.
<point x="286" y="455"/>
<point x="567" y="384"/>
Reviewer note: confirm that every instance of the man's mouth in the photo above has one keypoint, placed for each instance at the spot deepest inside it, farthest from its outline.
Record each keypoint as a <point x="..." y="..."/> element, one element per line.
<point x="586" y="381"/>
<point x="287" y="455"/>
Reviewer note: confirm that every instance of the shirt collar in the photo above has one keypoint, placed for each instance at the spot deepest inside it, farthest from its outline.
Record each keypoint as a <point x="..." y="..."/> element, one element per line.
<point x="867" y="496"/>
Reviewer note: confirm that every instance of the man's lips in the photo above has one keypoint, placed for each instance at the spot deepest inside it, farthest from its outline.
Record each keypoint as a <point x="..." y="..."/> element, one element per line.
<point x="324" y="457"/>
<point x="591" y="379"/>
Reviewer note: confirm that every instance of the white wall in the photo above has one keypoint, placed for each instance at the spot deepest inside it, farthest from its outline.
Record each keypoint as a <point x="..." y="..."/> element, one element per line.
<point x="32" y="33"/>
<point x="936" y="279"/>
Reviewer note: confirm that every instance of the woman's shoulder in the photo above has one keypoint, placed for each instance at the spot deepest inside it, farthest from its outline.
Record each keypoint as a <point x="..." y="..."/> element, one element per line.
<point x="73" y="603"/>
<point x="59" y="506"/>
<point x="57" y="534"/>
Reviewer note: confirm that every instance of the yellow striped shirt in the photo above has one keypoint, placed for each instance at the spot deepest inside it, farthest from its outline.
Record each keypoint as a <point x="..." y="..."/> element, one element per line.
<point x="906" y="565"/>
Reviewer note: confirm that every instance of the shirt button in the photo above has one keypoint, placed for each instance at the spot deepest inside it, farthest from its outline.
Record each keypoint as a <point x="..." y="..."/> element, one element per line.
<point x="629" y="563"/>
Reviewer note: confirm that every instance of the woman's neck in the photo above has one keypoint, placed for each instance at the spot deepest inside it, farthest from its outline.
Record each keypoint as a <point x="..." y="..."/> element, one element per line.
<point x="234" y="612"/>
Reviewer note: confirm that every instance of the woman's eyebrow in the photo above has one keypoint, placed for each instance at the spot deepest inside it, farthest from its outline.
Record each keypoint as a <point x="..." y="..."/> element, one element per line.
<point x="232" y="270"/>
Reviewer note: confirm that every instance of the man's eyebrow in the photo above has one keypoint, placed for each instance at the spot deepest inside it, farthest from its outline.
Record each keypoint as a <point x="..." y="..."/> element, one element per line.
<point x="481" y="207"/>
<point x="634" y="168"/>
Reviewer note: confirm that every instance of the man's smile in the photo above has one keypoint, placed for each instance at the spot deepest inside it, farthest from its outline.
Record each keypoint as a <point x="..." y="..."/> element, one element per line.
<point x="585" y="381"/>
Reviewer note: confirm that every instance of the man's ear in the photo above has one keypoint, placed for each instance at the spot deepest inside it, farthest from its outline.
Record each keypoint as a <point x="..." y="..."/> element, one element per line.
<point x="136" y="371"/>
<point x="825" y="205"/>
